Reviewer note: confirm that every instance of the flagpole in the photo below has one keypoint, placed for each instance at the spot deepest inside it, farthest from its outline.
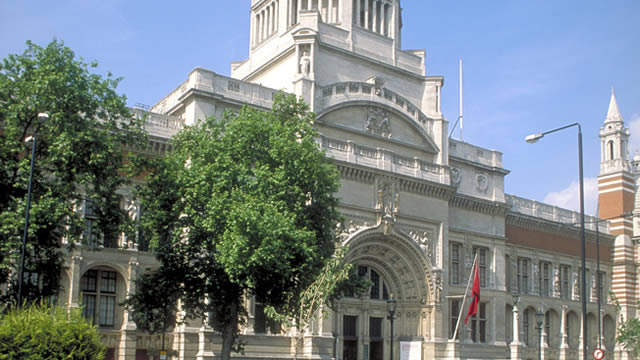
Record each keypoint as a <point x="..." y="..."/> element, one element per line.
<point x="464" y="299"/>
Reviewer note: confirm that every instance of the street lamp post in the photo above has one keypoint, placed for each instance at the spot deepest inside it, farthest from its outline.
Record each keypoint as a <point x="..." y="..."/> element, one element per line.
<point x="539" y="320"/>
<point x="391" y="307"/>
<point x="532" y="139"/>
<point x="42" y="117"/>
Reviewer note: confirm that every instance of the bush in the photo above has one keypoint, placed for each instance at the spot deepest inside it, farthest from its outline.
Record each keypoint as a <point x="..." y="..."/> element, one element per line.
<point x="44" y="332"/>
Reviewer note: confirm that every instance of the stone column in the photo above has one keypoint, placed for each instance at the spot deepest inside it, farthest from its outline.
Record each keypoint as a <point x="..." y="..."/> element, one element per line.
<point x="366" y="14"/>
<point x="128" y="338"/>
<point x="581" y="339"/>
<point x="74" y="281"/>
<point x="330" y="12"/>
<point x="374" y="17"/>
<point x="205" y="335"/>
<point x="515" y="343"/>
<point x="358" y="12"/>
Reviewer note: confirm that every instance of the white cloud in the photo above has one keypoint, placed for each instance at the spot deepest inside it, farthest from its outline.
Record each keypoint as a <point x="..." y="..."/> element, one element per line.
<point x="634" y="140"/>
<point x="568" y="198"/>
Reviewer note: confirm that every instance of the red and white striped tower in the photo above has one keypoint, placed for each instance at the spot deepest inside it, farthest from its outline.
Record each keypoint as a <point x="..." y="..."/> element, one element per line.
<point x="616" y="190"/>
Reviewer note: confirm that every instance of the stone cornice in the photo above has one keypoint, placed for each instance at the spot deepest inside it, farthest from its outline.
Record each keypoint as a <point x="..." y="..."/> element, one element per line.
<point x="406" y="183"/>
<point x="478" y="205"/>
<point x="540" y="224"/>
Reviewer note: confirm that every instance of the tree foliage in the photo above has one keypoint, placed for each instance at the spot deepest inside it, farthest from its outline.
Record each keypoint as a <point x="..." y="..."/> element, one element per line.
<point x="43" y="332"/>
<point x="628" y="334"/>
<point x="81" y="152"/>
<point x="245" y="205"/>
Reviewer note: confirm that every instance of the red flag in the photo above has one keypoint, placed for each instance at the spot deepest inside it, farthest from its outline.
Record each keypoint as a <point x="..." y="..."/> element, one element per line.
<point x="473" y="309"/>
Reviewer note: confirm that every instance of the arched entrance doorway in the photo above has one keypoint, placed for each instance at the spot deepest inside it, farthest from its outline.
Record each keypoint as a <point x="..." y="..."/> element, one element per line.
<point x="396" y="267"/>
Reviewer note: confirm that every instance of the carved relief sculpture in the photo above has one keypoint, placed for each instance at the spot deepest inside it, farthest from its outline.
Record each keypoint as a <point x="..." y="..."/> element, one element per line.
<point x="378" y="122"/>
<point x="456" y="176"/>
<point x="482" y="183"/>
<point x="556" y="282"/>
<point x="576" y="287"/>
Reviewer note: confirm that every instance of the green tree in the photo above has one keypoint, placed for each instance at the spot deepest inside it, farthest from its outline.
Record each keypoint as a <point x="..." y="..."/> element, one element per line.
<point x="245" y="205"/>
<point x="43" y="332"/>
<point x="82" y="151"/>
<point x="628" y="334"/>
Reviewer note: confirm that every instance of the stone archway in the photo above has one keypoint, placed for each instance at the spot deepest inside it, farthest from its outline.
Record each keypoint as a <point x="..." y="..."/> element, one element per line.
<point x="395" y="264"/>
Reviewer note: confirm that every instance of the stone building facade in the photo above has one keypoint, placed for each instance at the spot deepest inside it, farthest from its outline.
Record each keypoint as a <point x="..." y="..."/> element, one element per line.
<point x="418" y="206"/>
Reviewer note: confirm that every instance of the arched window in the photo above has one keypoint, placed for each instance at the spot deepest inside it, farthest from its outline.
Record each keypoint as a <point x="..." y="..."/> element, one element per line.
<point x="99" y="296"/>
<point x="610" y="145"/>
<point x="378" y="289"/>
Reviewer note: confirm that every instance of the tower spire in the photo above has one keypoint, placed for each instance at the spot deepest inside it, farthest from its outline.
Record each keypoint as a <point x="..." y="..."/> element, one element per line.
<point x="613" y="115"/>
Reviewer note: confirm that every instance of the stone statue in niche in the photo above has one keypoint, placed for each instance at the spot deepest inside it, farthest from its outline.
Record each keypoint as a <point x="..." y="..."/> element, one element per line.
<point x="385" y="198"/>
<point x="305" y="60"/>
<point x="378" y="122"/>
<point x="536" y="285"/>
<point x="132" y="209"/>
<point x="576" y="287"/>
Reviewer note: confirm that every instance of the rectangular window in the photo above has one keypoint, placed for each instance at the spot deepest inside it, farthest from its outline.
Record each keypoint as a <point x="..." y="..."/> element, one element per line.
<point x="565" y="273"/>
<point x="601" y="278"/>
<point x="98" y="289"/>
<point x="525" y="326"/>
<point x="507" y="272"/>
<point x="375" y="338"/>
<point x="350" y="338"/>
<point x="545" y="278"/>
<point x="482" y="264"/>
<point x="479" y="325"/>
<point x="523" y="275"/>
<point x="455" y="254"/>
<point x="454" y="311"/>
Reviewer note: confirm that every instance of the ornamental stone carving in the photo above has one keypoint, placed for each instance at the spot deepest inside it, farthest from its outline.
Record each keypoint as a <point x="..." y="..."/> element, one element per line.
<point x="423" y="240"/>
<point x="437" y="285"/>
<point x="576" y="287"/>
<point x="378" y="122"/>
<point x="482" y="183"/>
<point x="556" y="282"/>
<point x="456" y="176"/>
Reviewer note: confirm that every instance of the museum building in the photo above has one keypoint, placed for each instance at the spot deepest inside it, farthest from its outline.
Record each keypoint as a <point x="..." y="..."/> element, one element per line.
<point x="418" y="207"/>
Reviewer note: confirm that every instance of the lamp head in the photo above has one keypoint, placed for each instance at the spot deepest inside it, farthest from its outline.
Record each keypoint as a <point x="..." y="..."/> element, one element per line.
<point x="539" y="316"/>
<point x="533" y="138"/>
<point x="42" y="118"/>
<point x="391" y="305"/>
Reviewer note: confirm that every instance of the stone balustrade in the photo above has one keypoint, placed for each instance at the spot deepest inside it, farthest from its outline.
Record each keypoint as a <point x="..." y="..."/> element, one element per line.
<point x="382" y="159"/>
<point x="553" y="213"/>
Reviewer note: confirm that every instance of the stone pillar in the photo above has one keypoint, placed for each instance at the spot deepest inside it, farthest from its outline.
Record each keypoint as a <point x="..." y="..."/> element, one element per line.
<point x="374" y="17"/>
<point x="330" y="12"/>
<point x="358" y="12"/>
<point x="74" y="281"/>
<point x="128" y="338"/>
<point x="581" y="341"/>
<point x="205" y="335"/>
<point x="366" y="14"/>
<point x="515" y="344"/>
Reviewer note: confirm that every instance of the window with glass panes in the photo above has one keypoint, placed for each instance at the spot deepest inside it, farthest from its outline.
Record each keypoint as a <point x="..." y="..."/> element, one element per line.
<point x="99" y="296"/>
<point x="263" y="324"/>
<point x="482" y="264"/>
<point x="454" y="311"/>
<point x="90" y="235"/>
<point x="547" y="326"/>
<point x="545" y="278"/>
<point x="349" y="337"/>
<point x="479" y="324"/>
<point x="455" y="256"/>
<point x="375" y="338"/>
<point x="378" y="289"/>
<point x="523" y="275"/>
<point x="565" y="273"/>
<point x="601" y="280"/>
<point x="525" y="326"/>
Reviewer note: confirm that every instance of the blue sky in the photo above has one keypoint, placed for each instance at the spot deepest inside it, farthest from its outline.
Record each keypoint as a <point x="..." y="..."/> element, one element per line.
<point x="529" y="66"/>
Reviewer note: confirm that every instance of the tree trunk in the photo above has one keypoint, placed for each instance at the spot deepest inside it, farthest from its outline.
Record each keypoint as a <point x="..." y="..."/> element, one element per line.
<point x="228" y="332"/>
